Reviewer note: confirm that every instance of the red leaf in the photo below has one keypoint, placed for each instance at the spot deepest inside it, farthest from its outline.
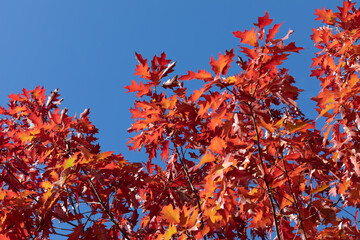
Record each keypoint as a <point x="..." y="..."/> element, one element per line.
<point x="247" y="37"/>
<point x="165" y="150"/>
<point x="141" y="89"/>
<point x="264" y="21"/>
<point x="327" y="16"/>
<point x="222" y="65"/>
<point x="142" y="69"/>
<point x="270" y="36"/>
<point x="201" y="74"/>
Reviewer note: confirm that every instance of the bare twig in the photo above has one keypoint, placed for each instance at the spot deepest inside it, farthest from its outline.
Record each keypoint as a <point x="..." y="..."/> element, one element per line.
<point x="108" y="213"/>
<point x="265" y="175"/>
<point x="192" y="188"/>
<point x="295" y="200"/>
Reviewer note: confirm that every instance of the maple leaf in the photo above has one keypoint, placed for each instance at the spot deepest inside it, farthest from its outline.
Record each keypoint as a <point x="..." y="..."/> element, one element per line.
<point x="69" y="163"/>
<point x="201" y="74"/>
<point x="169" y="233"/>
<point x="140" y="88"/>
<point x="165" y="150"/>
<point x="222" y="65"/>
<point x="264" y="21"/>
<point x="208" y="157"/>
<point x="217" y="145"/>
<point x="170" y="214"/>
<point x="247" y="37"/>
<point x="271" y="34"/>
<point x="143" y="70"/>
<point x="327" y="16"/>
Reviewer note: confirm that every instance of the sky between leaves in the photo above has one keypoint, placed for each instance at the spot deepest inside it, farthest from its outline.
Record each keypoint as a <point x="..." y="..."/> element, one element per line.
<point x="86" y="48"/>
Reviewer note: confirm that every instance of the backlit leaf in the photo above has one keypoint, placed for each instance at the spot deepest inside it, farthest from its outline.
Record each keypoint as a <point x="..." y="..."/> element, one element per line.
<point x="170" y="214"/>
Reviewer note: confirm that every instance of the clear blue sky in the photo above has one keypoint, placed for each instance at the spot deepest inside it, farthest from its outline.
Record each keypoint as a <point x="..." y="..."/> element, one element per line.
<point x="86" y="48"/>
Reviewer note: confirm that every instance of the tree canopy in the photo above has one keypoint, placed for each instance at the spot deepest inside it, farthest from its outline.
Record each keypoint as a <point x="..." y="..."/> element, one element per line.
<point x="241" y="160"/>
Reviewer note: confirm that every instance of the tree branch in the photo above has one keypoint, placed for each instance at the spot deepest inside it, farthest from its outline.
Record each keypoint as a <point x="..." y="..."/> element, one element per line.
<point x="293" y="196"/>
<point x="192" y="188"/>
<point x="108" y="213"/>
<point x="265" y="175"/>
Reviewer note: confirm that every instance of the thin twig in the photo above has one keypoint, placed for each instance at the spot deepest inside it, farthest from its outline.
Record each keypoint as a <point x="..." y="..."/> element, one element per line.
<point x="76" y="214"/>
<point x="295" y="200"/>
<point x="108" y="213"/>
<point x="265" y="175"/>
<point x="192" y="188"/>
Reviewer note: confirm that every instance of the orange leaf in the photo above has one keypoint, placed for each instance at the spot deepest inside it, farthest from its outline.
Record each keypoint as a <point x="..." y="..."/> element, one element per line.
<point x="319" y="189"/>
<point x="208" y="157"/>
<point x="270" y="36"/>
<point x="141" y="89"/>
<point x="326" y="134"/>
<point x="327" y="16"/>
<point x="222" y="65"/>
<point x="142" y="69"/>
<point x="247" y="37"/>
<point x="299" y="126"/>
<point x="213" y="214"/>
<point x="217" y="119"/>
<point x="170" y="214"/>
<point x="217" y="145"/>
<point x="196" y="95"/>
<point x="201" y="74"/>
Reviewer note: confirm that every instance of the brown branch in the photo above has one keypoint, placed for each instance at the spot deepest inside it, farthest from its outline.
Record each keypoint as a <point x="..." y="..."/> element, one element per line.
<point x="73" y="205"/>
<point x="295" y="200"/>
<point x="108" y="213"/>
<point x="192" y="188"/>
<point x="265" y="175"/>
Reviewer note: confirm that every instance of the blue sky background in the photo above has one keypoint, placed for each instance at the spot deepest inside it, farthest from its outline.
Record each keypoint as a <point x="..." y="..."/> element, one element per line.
<point x="86" y="48"/>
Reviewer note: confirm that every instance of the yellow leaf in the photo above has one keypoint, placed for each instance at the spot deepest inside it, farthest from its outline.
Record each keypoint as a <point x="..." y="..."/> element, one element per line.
<point x="280" y="123"/>
<point x="171" y="214"/>
<point x="171" y="231"/>
<point x="104" y="155"/>
<point x="319" y="189"/>
<point x="69" y="163"/>
<point x="300" y="125"/>
<point x="231" y="80"/>
<point x="47" y="185"/>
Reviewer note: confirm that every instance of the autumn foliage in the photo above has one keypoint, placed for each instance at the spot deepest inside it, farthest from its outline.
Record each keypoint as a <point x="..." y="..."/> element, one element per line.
<point x="234" y="159"/>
